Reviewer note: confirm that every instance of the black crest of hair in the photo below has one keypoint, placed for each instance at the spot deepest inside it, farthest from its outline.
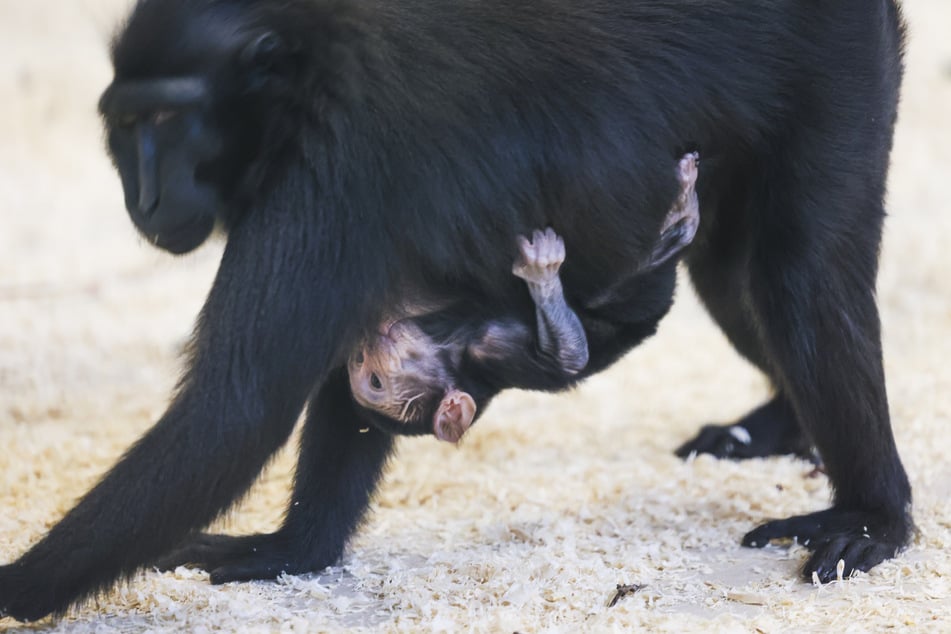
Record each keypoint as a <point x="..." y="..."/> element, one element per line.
<point x="352" y="149"/>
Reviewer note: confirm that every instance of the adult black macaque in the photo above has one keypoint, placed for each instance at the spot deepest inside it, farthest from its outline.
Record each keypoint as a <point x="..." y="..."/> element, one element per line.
<point x="353" y="149"/>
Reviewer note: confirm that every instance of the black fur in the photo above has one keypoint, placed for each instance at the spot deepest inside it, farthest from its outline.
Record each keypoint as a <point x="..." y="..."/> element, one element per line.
<point x="360" y="147"/>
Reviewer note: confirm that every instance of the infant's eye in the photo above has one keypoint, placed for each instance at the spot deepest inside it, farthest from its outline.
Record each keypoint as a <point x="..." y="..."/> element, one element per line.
<point x="359" y="358"/>
<point x="375" y="382"/>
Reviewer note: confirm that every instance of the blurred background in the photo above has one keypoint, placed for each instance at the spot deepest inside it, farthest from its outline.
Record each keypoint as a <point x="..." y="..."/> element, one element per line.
<point x="92" y="320"/>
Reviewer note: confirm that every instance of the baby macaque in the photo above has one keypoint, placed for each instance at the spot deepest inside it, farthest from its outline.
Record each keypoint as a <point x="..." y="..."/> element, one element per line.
<point x="426" y="372"/>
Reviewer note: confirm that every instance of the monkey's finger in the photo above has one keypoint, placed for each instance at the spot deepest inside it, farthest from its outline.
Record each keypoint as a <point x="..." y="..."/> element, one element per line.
<point x="559" y="251"/>
<point x="251" y="571"/>
<point x="202" y="556"/>
<point x="521" y="265"/>
<point x="551" y="251"/>
<point x="526" y="248"/>
<point x="543" y="248"/>
<point x="555" y="247"/>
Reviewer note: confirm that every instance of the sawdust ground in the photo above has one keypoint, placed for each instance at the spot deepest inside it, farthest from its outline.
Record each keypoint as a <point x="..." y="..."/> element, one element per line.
<point x="549" y="504"/>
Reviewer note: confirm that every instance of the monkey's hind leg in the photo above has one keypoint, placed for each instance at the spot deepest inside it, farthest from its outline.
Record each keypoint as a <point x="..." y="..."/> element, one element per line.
<point x="812" y="277"/>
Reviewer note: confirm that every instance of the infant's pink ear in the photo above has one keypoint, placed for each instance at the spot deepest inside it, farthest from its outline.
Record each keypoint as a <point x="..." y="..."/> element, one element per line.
<point x="454" y="416"/>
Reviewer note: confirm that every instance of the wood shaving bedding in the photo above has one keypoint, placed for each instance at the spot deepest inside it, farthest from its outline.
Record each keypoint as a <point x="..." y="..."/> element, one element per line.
<point x="549" y="506"/>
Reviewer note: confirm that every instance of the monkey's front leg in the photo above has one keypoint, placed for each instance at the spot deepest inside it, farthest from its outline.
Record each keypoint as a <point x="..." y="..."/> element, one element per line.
<point x="340" y="464"/>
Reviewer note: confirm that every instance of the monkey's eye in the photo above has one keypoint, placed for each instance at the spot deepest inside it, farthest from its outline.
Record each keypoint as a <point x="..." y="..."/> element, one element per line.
<point x="359" y="358"/>
<point x="127" y="120"/>
<point x="160" y="117"/>
<point x="375" y="382"/>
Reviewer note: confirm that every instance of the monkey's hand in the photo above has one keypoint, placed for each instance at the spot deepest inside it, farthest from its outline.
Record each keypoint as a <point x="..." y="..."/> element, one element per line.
<point x="539" y="258"/>
<point x="263" y="556"/>
<point x="26" y="598"/>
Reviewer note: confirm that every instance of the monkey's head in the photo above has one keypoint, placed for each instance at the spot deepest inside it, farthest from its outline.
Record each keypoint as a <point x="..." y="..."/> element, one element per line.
<point x="402" y="373"/>
<point x="197" y="117"/>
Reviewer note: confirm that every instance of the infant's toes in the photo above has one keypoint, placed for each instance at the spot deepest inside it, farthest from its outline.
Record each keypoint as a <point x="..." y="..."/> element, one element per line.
<point x="688" y="169"/>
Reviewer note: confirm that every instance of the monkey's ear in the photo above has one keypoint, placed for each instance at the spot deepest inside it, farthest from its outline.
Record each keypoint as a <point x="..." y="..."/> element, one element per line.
<point x="454" y="416"/>
<point x="262" y="51"/>
<point x="266" y="61"/>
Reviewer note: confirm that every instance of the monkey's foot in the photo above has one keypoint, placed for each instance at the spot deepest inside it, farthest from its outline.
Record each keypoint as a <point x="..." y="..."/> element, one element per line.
<point x="686" y="209"/>
<point x="683" y="220"/>
<point x="227" y="558"/>
<point x="858" y="540"/>
<point x="540" y="258"/>
<point x="687" y="177"/>
<point x="769" y="430"/>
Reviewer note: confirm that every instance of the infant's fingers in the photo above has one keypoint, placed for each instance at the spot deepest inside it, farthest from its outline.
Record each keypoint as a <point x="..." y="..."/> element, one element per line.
<point x="559" y="250"/>
<point x="527" y="248"/>
<point x="538" y="237"/>
<point x="556" y="249"/>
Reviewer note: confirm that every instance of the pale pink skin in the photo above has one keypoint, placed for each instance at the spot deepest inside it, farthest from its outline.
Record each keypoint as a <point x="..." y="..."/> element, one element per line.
<point x="396" y="366"/>
<point x="454" y="416"/>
